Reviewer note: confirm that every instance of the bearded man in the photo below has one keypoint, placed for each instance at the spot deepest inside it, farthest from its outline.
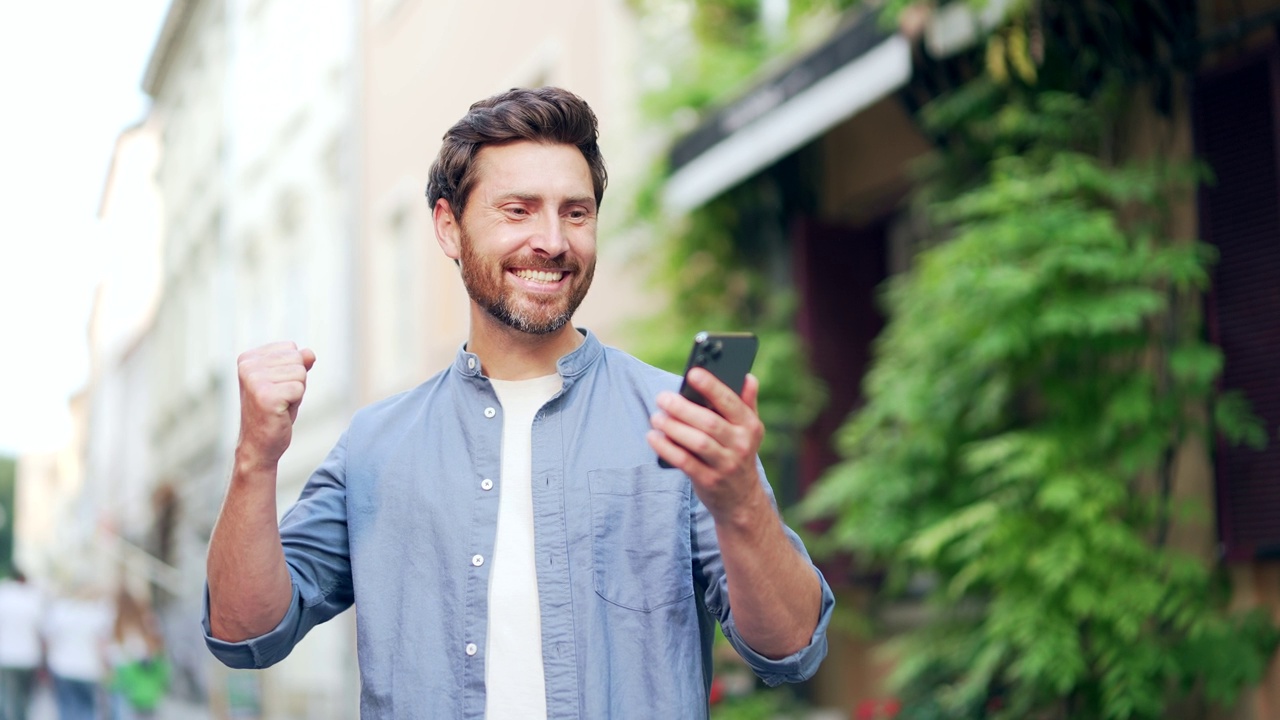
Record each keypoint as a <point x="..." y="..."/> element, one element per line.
<point x="511" y="544"/>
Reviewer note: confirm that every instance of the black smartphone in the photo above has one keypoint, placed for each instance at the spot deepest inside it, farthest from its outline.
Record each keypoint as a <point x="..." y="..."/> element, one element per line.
<point x="727" y="355"/>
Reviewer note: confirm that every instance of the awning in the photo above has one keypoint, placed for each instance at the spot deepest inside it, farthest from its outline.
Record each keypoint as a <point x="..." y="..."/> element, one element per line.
<point x="853" y="70"/>
<point x="859" y="66"/>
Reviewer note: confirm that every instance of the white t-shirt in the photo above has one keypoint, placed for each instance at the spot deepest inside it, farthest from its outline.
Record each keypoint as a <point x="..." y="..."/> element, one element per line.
<point x="77" y="632"/>
<point x="21" y="607"/>
<point x="514" y="683"/>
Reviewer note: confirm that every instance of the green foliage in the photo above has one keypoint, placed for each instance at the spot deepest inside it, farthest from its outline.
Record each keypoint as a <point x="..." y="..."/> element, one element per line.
<point x="756" y="706"/>
<point x="720" y="265"/>
<point x="1041" y="365"/>
<point x="1038" y="371"/>
<point x="719" y="273"/>
<point x="709" y="48"/>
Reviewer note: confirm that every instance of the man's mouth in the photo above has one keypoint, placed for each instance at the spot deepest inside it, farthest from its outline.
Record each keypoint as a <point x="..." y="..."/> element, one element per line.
<point x="539" y="276"/>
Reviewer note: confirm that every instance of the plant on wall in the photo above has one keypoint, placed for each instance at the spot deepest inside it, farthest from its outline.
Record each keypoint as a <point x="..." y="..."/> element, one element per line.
<point x="724" y="266"/>
<point x="1040" y="371"/>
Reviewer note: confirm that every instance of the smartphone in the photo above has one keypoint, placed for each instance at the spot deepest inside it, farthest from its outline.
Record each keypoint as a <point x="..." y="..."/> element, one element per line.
<point x="726" y="355"/>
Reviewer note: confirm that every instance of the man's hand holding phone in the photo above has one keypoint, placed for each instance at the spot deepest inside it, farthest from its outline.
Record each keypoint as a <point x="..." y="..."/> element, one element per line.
<point x="715" y="445"/>
<point x="775" y="594"/>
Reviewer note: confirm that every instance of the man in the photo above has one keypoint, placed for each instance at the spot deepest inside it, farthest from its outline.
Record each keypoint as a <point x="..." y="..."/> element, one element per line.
<point x="505" y="530"/>
<point x="21" y="613"/>
<point x="76" y="630"/>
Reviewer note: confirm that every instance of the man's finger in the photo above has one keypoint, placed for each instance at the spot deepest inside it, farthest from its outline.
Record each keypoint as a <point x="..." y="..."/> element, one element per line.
<point x="691" y="413"/>
<point x="677" y="456"/>
<point x="280" y="373"/>
<point x="274" y="348"/>
<point x="690" y="438"/>
<point x="751" y="393"/>
<point x="722" y="398"/>
<point x="308" y="358"/>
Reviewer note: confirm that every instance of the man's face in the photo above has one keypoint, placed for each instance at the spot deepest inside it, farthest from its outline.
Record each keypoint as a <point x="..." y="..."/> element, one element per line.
<point x="527" y="239"/>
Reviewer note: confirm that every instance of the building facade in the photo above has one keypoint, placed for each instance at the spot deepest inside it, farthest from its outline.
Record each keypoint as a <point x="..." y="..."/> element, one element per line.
<point x="423" y="64"/>
<point x="845" y="115"/>
<point x="275" y="191"/>
<point x="255" y="104"/>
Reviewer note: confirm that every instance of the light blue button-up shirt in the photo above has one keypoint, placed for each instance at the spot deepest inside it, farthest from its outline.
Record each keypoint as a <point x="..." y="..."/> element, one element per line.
<point x="630" y="577"/>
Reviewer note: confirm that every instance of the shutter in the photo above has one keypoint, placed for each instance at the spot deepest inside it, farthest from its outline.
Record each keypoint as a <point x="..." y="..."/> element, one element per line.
<point x="838" y="272"/>
<point x="1236" y="133"/>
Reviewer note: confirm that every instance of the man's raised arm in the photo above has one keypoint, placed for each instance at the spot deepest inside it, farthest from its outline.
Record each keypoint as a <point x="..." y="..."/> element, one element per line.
<point x="249" y="584"/>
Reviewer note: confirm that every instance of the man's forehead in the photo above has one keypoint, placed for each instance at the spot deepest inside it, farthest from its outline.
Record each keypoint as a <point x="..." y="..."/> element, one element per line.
<point x="533" y="169"/>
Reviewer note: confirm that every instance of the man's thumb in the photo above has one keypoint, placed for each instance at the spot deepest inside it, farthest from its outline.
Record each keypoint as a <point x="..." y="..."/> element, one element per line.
<point x="308" y="358"/>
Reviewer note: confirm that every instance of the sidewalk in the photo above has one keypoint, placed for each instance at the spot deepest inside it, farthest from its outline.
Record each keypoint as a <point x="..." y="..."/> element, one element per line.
<point x="43" y="707"/>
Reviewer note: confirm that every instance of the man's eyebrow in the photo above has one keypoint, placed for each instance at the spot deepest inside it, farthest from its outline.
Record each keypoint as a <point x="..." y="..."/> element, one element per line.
<point x="521" y="196"/>
<point x="533" y="198"/>
<point x="587" y="200"/>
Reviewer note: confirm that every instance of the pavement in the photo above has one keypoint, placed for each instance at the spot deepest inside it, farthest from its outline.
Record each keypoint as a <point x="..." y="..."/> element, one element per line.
<point x="44" y="707"/>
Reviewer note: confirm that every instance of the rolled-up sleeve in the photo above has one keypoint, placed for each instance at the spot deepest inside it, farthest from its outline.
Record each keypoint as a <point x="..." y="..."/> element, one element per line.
<point x="314" y="536"/>
<point x="796" y="667"/>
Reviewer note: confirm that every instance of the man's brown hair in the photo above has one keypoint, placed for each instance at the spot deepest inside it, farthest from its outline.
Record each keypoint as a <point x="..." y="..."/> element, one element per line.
<point x="547" y="114"/>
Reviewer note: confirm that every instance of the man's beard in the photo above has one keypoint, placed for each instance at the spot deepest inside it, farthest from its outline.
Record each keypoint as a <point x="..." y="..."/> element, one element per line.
<point x="486" y="284"/>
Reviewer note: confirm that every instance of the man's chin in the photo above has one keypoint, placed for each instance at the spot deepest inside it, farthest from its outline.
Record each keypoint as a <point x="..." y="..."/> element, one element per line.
<point x="531" y="323"/>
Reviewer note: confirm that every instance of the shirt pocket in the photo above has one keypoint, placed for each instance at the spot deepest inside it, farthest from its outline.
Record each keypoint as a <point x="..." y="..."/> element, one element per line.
<point x="640" y="535"/>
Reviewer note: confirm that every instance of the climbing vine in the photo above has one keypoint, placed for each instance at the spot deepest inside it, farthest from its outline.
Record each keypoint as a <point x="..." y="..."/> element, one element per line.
<point x="1042" y="367"/>
<point x="724" y="265"/>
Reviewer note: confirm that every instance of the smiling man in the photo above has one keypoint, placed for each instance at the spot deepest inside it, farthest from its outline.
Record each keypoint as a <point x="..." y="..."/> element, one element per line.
<point x="511" y="544"/>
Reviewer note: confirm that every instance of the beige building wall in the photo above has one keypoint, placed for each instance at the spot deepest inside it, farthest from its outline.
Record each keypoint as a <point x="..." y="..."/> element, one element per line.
<point x="187" y="411"/>
<point x="424" y="64"/>
<point x="118" y="466"/>
<point x="45" y="489"/>
<point x="256" y="104"/>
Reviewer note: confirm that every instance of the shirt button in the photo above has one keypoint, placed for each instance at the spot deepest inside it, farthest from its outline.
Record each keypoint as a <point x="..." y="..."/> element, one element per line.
<point x="477" y="560"/>
<point x="471" y="363"/>
<point x="490" y="412"/>
<point x="486" y="484"/>
<point x="471" y="648"/>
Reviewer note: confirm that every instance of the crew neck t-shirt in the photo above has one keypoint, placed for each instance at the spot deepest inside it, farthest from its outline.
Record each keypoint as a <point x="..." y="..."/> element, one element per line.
<point x="513" y="673"/>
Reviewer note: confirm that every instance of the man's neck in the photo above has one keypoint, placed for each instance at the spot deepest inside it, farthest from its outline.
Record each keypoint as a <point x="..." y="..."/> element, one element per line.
<point x="509" y="354"/>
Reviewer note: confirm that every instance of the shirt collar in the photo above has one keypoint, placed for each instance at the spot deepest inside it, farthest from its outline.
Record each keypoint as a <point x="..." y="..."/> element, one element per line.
<point x="568" y="366"/>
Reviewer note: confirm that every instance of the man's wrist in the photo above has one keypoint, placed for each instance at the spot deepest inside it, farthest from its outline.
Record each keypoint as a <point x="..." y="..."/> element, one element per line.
<point x="249" y="464"/>
<point x="750" y="516"/>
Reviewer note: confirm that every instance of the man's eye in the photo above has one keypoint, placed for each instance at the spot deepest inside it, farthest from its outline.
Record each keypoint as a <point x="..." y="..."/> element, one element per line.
<point x="518" y="211"/>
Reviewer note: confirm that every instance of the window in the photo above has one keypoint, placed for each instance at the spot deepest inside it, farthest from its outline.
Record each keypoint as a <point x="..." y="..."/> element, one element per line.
<point x="1236" y="133"/>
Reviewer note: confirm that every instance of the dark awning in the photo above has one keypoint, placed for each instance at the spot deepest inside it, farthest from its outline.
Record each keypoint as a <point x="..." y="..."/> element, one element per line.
<point x="856" y="68"/>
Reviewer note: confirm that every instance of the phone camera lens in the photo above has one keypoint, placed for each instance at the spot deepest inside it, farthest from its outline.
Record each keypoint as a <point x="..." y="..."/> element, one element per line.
<point x="715" y="349"/>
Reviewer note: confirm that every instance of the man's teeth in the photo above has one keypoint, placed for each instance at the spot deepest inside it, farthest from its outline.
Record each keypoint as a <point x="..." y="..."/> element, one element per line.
<point x="545" y="276"/>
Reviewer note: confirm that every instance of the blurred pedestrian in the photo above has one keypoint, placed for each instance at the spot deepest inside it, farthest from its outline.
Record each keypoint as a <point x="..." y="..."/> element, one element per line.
<point x="21" y="606"/>
<point x="139" y="669"/>
<point x="77" y="629"/>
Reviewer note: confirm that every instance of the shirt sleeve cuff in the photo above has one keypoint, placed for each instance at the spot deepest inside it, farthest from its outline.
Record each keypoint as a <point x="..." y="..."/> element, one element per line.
<point x="800" y="665"/>
<point x="259" y="652"/>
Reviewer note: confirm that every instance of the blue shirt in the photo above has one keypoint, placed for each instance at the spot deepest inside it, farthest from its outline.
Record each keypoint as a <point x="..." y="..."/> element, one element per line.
<point x="400" y="519"/>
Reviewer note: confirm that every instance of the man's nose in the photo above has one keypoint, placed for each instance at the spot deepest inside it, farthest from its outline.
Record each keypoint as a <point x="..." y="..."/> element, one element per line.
<point x="549" y="237"/>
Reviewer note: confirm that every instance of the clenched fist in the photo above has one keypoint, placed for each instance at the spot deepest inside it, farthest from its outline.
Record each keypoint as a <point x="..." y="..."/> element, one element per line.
<point x="272" y="381"/>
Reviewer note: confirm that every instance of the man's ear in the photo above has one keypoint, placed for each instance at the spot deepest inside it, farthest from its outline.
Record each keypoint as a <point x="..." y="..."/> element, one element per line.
<point x="448" y="229"/>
